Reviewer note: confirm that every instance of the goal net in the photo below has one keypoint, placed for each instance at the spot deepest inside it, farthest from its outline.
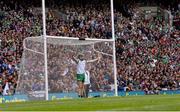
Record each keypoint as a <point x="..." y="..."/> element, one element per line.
<point x="62" y="69"/>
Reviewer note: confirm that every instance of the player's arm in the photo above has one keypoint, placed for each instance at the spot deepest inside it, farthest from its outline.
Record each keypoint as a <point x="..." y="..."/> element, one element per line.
<point x="75" y="59"/>
<point x="93" y="60"/>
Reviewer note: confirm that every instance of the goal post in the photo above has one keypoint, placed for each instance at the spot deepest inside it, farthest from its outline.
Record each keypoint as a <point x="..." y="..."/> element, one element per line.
<point x="114" y="47"/>
<point x="47" y="67"/>
<point x="45" y="48"/>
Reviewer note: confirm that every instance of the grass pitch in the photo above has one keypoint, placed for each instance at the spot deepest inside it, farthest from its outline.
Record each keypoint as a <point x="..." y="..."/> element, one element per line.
<point x="136" y="103"/>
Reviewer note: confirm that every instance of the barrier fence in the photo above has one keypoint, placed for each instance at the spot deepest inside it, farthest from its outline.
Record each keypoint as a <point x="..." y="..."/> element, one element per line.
<point x="58" y="96"/>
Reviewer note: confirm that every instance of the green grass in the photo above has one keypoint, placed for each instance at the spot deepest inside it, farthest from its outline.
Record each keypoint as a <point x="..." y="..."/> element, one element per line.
<point x="151" y="102"/>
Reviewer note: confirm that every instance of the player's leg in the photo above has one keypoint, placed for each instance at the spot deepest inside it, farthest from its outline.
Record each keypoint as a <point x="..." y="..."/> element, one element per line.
<point x="86" y="90"/>
<point x="78" y="83"/>
<point x="82" y="85"/>
<point x="80" y="79"/>
<point x="84" y="93"/>
<point x="80" y="88"/>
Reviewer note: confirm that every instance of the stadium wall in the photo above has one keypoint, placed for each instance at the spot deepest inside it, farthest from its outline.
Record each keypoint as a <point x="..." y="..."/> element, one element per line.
<point x="57" y="96"/>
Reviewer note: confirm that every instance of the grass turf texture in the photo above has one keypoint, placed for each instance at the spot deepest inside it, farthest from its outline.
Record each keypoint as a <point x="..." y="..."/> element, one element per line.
<point x="149" y="102"/>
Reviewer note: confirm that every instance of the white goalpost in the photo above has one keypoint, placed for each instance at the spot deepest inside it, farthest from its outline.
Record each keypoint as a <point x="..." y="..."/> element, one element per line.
<point x="48" y="68"/>
<point x="45" y="48"/>
<point x="114" y="49"/>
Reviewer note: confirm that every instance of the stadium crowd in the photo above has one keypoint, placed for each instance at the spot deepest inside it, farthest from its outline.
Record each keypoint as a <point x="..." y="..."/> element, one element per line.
<point x="148" y="51"/>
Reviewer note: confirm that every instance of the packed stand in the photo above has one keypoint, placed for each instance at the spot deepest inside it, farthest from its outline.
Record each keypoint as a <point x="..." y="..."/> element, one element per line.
<point x="147" y="50"/>
<point x="148" y="55"/>
<point x="16" y="24"/>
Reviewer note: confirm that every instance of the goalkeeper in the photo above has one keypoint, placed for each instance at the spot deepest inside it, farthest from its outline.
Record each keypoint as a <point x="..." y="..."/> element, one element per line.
<point x="81" y="70"/>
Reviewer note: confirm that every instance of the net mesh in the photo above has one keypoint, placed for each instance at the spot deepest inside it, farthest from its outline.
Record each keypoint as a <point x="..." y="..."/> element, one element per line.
<point x="61" y="67"/>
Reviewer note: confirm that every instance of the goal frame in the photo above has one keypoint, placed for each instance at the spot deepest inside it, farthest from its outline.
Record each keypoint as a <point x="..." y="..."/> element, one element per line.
<point x="45" y="47"/>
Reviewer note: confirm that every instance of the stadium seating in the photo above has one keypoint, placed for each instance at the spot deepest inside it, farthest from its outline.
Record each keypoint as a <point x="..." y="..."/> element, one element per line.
<point x="148" y="51"/>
